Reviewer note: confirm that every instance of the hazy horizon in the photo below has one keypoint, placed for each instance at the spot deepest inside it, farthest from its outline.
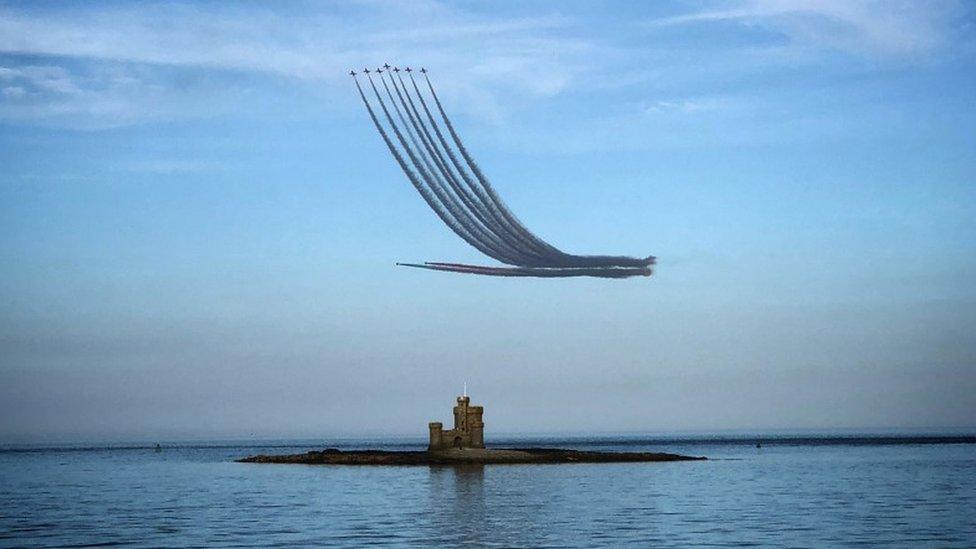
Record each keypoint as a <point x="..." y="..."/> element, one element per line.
<point x="199" y="224"/>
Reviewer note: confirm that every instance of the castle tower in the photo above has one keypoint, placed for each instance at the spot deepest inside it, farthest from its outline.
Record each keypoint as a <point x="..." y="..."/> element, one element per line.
<point x="468" y="431"/>
<point x="476" y="427"/>
<point x="436" y="435"/>
<point x="461" y="413"/>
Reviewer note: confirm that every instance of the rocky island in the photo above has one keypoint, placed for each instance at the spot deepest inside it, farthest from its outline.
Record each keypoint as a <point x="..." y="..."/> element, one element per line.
<point x="464" y="444"/>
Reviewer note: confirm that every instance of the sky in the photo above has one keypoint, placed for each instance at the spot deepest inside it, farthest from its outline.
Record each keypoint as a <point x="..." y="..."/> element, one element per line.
<point x="199" y="225"/>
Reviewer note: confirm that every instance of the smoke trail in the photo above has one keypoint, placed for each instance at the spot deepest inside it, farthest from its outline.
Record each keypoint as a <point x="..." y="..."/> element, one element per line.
<point x="472" y="209"/>
<point x="605" y="272"/>
<point x="475" y="230"/>
<point x="564" y="258"/>
<point x="504" y="228"/>
<point x="461" y="219"/>
<point x="480" y="227"/>
<point x="596" y="272"/>
<point x="484" y="214"/>
<point x="424" y="192"/>
<point x="509" y="216"/>
<point x="421" y="131"/>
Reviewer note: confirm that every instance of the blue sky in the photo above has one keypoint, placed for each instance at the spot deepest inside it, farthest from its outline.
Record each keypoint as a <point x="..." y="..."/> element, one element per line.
<point x="199" y="223"/>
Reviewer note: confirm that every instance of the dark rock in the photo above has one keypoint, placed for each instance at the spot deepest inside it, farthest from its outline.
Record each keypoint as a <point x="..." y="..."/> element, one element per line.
<point x="332" y="456"/>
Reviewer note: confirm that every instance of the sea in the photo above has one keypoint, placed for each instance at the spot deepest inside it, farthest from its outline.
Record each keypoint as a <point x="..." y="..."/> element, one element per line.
<point x="782" y="490"/>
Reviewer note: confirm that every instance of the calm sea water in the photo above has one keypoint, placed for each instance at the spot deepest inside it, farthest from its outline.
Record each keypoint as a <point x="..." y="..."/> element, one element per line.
<point x="803" y="492"/>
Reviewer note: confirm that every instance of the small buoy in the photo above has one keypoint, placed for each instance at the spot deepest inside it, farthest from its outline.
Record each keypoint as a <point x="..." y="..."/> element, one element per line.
<point x="759" y="445"/>
<point x="158" y="447"/>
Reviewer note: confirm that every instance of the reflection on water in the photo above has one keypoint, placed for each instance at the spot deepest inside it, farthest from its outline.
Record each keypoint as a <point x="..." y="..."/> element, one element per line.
<point x="796" y="494"/>
<point x="457" y="503"/>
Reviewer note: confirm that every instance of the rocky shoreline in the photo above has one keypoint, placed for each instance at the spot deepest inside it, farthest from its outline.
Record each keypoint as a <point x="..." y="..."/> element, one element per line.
<point x="332" y="456"/>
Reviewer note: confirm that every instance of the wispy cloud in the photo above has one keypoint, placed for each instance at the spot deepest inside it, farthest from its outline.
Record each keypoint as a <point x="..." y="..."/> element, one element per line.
<point x="14" y="91"/>
<point x="683" y="105"/>
<point x="94" y="65"/>
<point x="886" y="27"/>
<point x="169" y="167"/>
<point x="99" y="95"/>
<point x="47" y="78"/>
<point x="140" y="44"/>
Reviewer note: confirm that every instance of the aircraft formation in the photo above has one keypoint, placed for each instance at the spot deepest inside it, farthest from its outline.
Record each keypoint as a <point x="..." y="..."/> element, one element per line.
<point x="449" y="180"/>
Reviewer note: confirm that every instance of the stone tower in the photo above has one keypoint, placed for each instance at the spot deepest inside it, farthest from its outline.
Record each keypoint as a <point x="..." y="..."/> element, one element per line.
<point x="468" y="431"/>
